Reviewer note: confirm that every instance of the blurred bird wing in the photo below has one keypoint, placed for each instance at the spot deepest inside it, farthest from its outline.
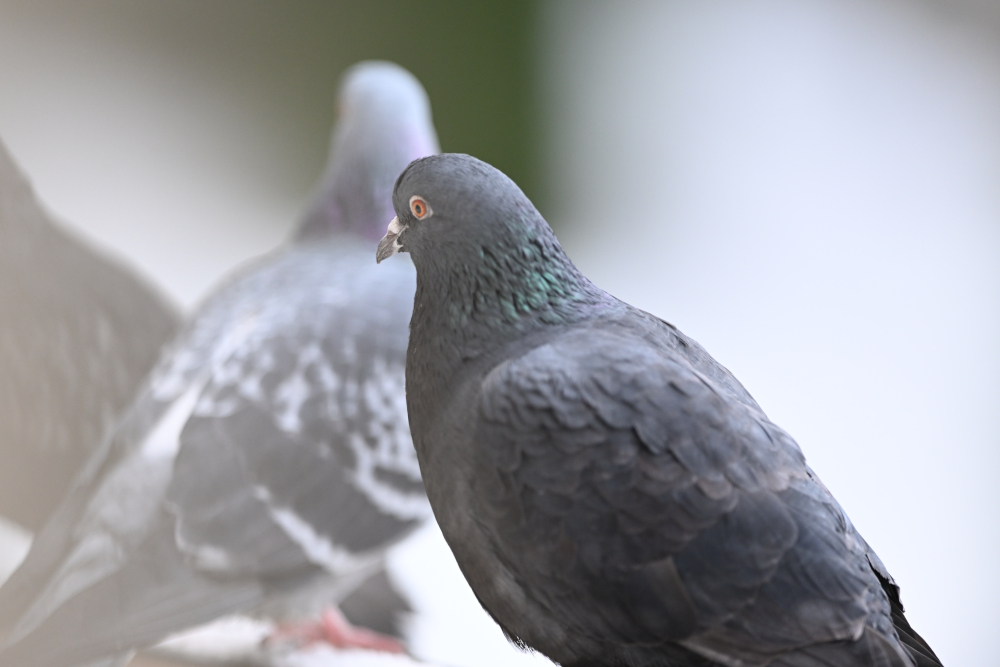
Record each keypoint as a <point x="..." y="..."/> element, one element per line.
<point x="55" y="541"/>
<point x="106" y="517"/>
<point x="281" y="449"/>
<point x="297" y="453"/>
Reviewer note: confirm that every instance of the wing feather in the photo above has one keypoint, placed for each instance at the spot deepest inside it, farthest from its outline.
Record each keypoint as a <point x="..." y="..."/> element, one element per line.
<point x="672" y="503"/>
<point x="292" y="456"/>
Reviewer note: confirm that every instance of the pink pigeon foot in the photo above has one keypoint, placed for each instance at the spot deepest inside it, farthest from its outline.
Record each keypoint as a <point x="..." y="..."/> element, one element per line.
<point x="334" y="629"/>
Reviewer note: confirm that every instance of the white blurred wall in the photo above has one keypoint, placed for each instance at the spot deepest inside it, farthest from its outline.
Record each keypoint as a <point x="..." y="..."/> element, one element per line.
<point x="812" y="191"/>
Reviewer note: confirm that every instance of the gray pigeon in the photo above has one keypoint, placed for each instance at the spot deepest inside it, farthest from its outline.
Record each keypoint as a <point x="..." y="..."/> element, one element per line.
<point x="266" y="464"/>
<point x="613" y="495"/>
<point x="78" y="333"/>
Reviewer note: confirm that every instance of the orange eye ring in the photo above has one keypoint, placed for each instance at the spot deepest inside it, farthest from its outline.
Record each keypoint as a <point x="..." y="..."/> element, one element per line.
<point x="419" y="208"/>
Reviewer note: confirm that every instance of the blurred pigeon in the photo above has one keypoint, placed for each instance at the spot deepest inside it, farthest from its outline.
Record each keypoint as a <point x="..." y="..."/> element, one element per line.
<point x="78" y="333"/>
<point x="266" y="464"/>
<point x="613" y="494"/>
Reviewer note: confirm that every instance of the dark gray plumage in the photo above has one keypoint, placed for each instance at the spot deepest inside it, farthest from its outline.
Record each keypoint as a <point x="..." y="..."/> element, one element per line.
<point x="613" y="495"/>
<point x="78" y="333"/>
<point x="266" y="464"/>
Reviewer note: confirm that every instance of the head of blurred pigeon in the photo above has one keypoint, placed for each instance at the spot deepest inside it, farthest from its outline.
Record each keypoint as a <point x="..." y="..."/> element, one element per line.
<point x="383" y="123"/>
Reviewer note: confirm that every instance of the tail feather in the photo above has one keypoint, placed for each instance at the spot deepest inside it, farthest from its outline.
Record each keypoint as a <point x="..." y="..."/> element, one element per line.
<point x="154" y="594"/>
<point x="919" y="650"/>
<point x="47" y="551"/>
<point x="52" y="543"/>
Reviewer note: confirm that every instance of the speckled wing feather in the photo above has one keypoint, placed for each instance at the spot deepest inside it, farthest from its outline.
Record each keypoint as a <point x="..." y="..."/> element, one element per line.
<point x="610" y="465"/>
<point x="303" y="431"/>
<point x="277" y="451"/>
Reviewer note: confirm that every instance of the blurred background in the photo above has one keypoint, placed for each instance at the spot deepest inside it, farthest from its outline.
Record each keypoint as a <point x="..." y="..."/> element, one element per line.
<point x="811" y="189"/>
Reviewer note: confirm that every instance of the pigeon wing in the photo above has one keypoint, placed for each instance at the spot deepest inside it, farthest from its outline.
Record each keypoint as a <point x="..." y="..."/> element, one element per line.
<point x="282" y="452"/>
<point x="304" y="445"/>
<point x="614" y="468"/>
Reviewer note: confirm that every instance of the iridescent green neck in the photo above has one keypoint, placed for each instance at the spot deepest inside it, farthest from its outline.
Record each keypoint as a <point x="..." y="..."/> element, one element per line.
<point x="502" y="288"/>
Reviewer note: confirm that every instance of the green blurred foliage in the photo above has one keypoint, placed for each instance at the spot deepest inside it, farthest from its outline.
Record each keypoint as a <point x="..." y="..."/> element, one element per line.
<point x="476" y="60"/>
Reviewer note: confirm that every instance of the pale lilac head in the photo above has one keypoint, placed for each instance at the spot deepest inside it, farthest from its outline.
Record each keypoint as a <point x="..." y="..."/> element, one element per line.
<point x="383" y="124"/>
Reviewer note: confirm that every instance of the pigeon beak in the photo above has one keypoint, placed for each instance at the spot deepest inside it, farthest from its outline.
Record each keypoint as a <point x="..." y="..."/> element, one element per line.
<point x="389" y="246"/>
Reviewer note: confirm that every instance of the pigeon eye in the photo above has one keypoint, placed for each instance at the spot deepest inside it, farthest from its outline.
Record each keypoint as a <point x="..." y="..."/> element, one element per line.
<point x="419" y="208"/>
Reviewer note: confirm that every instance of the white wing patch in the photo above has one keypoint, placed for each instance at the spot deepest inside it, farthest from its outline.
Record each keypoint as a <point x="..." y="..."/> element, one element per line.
<point x="207" y="349"/>
<point x="389" y="499"/>
<point x="207" y="557"/>
<point x="317" y="548"/>
<point x="385" y="400"/>
<point x="293" y="392"/>
<point x="163" y="441"/>
<point x="291" y="395"/>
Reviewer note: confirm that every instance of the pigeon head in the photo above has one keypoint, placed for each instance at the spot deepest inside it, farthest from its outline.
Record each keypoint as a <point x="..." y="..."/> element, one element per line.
<point x="384" y="123"/>
<point x="472" y="233"/>
<point x="456" y="204"/>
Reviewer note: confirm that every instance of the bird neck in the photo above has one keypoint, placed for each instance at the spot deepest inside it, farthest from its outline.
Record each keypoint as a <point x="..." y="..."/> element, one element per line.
<point x="352" y="201"/>
<point x="355" y="191"/>
<point x="465" y="311"/>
